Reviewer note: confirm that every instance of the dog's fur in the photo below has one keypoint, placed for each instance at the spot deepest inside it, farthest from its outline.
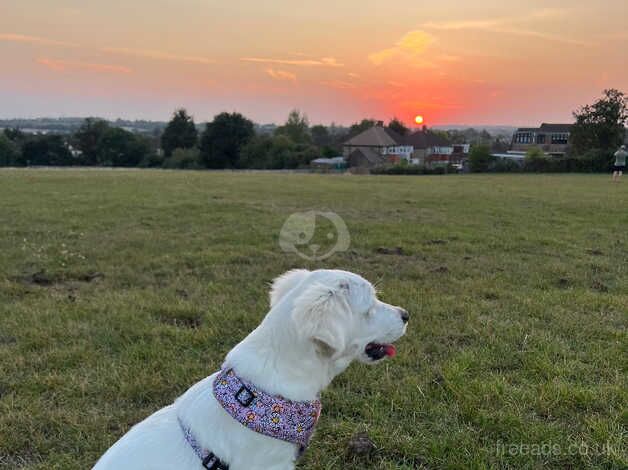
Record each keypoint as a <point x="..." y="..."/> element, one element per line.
<point x="319" y="322"/>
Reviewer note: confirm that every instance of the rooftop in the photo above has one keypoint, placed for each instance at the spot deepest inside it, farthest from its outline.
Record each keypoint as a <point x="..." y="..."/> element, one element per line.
<point x="546" y="127"/>
<point x="376" y="136"/>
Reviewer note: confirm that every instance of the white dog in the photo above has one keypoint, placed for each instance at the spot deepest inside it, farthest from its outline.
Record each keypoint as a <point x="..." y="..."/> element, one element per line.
<point x="318" y="323"/>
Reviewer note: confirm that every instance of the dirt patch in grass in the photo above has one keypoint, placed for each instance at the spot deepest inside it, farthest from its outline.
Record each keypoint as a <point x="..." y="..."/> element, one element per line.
<point x="599" y="286"/>
<point x="360" y="445"/>
<point x="7" y="339"/>
<point x="397" y="250"/>
<point x="181" y="318"/>
<point x="563" y="283"/>
<point x="44" y="279"/>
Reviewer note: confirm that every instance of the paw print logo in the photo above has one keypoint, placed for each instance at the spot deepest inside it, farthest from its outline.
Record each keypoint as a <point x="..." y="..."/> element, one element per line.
<point x="314" y="235"/>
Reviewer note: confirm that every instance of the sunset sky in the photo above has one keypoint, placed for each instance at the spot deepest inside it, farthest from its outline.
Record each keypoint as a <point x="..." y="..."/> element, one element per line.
<point x="455" y="62"/>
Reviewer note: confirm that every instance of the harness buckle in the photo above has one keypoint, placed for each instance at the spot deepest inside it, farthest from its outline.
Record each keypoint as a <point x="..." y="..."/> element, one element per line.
<point x="248" y="399"/>
<point x="211" y="462"/>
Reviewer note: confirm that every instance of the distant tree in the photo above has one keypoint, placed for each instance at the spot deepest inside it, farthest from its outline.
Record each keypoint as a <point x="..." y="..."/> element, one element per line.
<point x="500" y="145"/>
<point x="296" y="128"/>
<point x="277" y="152"/>
<point x="442" y="137"/>
<point x="398" y="126"/>
<point x="15" y="135"/>
<point x="223" y="139"/>
<point x="9" y="151"/>
<point x="179" y="133"/>
<point x="320" y="136"/>
<point x="480" y="158"/>
<point x="360" y="127"/>
<point x="184" y="159"/>
<point x="600" y="125"/>
<point x="256" y="153"/>
<point x="46" y="150"/>
<point x="118" y="147"/>
<point x="88" y="139"/>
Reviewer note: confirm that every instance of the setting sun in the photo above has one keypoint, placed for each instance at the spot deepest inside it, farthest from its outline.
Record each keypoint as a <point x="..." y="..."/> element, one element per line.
<point x="418" y="119"/>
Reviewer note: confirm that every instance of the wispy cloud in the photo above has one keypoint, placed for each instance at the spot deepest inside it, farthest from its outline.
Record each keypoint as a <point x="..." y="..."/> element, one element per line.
<point x="410" y="47"/>
<point x="338" y="84"/>
<point x="509" y="25"/>
<point x="63" y="65"/>
<point x="10" y="37"/>
<point x="323" y="62"/>
<point x="158" y="55"/>
<point x="281" y="75"/>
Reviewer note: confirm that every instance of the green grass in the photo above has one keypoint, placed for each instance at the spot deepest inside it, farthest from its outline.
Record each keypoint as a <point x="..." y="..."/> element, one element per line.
<point x="517" y="286"/>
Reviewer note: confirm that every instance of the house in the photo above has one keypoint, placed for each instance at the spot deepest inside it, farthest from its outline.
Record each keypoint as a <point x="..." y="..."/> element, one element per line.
<point x="552" y="139"/>
<point x="379" y="146"/>
<point x="455" y="154"/>
<point x="376" y="146"/>
<point x="425" y="144"/>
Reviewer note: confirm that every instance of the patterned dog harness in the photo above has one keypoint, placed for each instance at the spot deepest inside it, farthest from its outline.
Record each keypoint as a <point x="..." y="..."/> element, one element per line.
<point x="271" y="415"/>
<point x="208" y="459"/>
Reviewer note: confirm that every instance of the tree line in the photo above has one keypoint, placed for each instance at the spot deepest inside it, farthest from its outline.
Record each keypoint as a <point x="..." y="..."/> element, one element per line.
<point x="229" y="141"/>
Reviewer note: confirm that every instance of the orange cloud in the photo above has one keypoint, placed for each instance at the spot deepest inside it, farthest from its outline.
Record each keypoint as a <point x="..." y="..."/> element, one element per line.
<point x="508" y="25"/>
<point x="158" y="55"/>
<point x="63" y="65"/>
<point x="281" y="75"/>
<point x="323" y="62"/>
<point x="409" y="48"/>
<point x="9" y="37"/>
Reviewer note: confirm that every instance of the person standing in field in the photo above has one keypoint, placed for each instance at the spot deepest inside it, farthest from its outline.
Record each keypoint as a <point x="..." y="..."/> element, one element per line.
<point x="620" y="163"/>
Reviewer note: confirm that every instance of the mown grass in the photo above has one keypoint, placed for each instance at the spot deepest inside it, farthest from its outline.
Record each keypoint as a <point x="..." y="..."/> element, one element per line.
<point x="120" y="289"/>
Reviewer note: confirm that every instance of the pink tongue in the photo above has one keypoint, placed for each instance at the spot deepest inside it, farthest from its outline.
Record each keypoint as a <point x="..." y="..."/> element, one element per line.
<point x="390" y="350"/>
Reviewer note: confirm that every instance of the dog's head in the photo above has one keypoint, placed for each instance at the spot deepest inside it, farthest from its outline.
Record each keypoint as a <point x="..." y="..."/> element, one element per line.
<point x="340" y="314"/>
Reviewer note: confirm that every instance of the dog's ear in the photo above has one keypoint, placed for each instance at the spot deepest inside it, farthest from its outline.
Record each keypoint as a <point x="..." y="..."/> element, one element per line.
<point x="285" y="283"/>
<point x="318" y="312"/>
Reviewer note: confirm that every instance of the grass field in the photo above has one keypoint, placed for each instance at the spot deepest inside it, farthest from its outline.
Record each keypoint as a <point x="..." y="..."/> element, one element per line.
<point x="120" y="289"/>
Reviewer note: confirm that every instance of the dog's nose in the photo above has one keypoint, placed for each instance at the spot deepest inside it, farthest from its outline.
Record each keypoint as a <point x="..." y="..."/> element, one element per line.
<point x="404" y="315"/>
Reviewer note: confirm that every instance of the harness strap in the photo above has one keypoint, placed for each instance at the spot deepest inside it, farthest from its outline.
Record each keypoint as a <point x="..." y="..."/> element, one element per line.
<point x="208" y="459"/>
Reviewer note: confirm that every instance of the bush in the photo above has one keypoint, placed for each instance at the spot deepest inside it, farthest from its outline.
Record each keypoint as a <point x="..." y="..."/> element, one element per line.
<point x="409" y="170"/>
<point x="536" y="160"/>
<point x="152" y="160"/>
<point x="9" y="151"/>
<point x="183" y="159"/>
<point x="506" y="165"/>
<point x="47" y="150"/>
<point x="480" y="158"/>
<point x="276" y="152"/>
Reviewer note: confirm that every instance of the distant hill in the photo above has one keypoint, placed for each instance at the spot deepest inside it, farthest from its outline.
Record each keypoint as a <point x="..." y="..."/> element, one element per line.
<point x="493" y="130"/>
<point x="69" y="125"/>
